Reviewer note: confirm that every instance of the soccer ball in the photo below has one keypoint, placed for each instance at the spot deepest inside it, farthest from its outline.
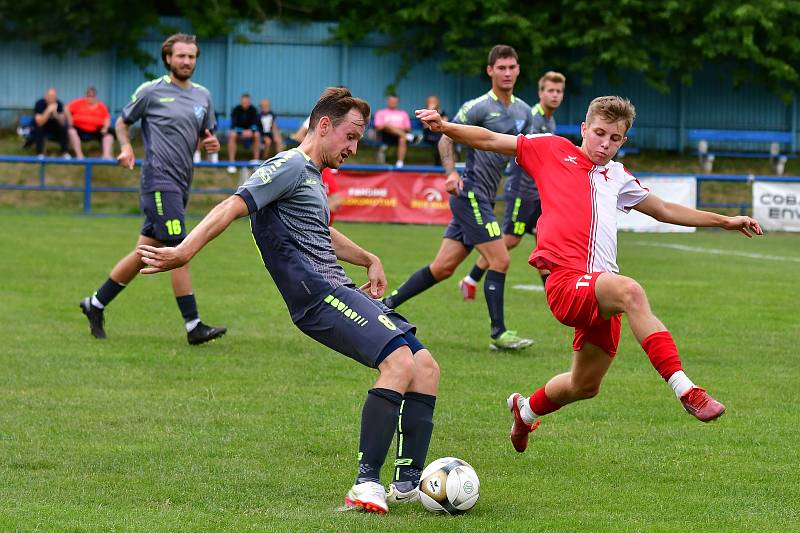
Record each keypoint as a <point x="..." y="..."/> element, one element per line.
<point x="449" y="485"/>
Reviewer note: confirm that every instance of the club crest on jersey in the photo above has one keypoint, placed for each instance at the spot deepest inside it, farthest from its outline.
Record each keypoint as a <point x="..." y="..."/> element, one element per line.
<point x="520" y="124"/>
<point x="571" y="159"/>
<point x="199" y="112"/>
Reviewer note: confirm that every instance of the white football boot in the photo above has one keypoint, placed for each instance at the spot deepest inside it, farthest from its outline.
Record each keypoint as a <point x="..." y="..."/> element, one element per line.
<point x="402" y="492"/>
<point x="368" y="496"/>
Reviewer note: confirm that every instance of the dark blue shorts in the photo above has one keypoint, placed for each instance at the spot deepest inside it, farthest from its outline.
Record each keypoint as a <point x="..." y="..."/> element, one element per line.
<point x="355" y="325"/>
<point x="521" y="215"/>
<point x="164" y="216"/>
<point x="473" y="220"/>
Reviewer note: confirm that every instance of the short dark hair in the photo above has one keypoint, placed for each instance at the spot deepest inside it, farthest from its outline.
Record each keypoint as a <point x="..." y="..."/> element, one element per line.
<point x="500" y="51"/>
<point x="335" y="103"/>
<point x="166" y="48"/>
<point x="245" y="95"/>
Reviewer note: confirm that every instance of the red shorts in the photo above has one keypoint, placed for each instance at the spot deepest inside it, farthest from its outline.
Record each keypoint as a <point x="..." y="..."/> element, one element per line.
<point x="571" y="297"/>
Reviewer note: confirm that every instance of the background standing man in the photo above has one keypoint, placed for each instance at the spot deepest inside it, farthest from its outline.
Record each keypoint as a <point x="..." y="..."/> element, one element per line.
<point x="523" y="205"/>
<point x="175" y="113"/>
<point x="472" y="199"/>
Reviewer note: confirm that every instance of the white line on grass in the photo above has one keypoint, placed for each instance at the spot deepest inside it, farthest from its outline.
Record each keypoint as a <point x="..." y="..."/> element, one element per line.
<point x="533" y="288"/>
<point x="718" y="251"/>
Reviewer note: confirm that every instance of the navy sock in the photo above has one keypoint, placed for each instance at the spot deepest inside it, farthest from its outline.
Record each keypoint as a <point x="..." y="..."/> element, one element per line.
<point x="476" y="273"/>
<point x="378" y="422"/>
<point x="493" y="290"/>
<point x="419" y="281"/>
<point x="414" y="430"/>
<point x="108" y="291"/>
<point x="188" y="306"/>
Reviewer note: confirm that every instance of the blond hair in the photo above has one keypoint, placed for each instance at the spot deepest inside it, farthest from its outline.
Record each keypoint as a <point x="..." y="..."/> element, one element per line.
<point x="612" y="109"/>
<point x="553" y="77"/>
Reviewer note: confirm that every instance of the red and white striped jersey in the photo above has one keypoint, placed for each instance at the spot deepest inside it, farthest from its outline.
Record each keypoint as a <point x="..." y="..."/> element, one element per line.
<point x="578" y="226"/>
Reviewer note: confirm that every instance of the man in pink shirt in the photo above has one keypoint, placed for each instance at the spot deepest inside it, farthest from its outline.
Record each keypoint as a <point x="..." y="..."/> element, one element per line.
<point x="581" y="189"/>
<point x="394" y="128"/>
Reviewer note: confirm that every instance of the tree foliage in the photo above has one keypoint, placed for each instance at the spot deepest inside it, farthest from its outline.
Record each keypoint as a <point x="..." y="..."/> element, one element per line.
<point x="667" y="41"/>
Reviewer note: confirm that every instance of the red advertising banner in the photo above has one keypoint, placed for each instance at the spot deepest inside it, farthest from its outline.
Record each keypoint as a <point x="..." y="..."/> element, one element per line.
<point x="406" y="197"/>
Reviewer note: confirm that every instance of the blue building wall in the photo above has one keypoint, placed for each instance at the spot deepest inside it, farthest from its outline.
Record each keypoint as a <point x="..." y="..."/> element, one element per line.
<point x="291" y="64"/>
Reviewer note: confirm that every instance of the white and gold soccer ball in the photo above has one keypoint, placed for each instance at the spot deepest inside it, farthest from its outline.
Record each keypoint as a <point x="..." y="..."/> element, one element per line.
<point x="449" y="485"/>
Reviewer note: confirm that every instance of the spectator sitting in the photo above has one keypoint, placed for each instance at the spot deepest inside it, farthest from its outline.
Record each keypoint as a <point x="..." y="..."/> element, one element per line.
<point x="88" y="118"/>
<point x="50" y="122"/>
<point x="244" y="126"/>
<point x="300" y="134"/>
<point x="394" y="128"/>
<point x="429" y="137"/>
<point x="269" y="128"/>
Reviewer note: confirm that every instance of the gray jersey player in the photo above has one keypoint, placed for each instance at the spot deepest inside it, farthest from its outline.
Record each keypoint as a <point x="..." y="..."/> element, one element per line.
<point x="174" y="113"/>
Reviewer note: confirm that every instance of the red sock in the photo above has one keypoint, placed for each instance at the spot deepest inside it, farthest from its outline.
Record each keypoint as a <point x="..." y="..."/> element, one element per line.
<point x="663" y="353"/>
<point x="541" y="404"/>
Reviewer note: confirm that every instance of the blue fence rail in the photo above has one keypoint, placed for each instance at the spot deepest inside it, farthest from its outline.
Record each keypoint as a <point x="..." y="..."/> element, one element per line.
<point x="90" y="163"/>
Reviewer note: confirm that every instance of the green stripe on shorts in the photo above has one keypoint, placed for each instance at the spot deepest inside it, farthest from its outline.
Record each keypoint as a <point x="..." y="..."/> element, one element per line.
<point x="159" y="205"/>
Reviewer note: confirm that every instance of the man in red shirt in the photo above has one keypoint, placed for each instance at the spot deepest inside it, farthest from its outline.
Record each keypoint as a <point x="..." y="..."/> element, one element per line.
<point x="581" y="189"/>
<point x="89" y="119"/>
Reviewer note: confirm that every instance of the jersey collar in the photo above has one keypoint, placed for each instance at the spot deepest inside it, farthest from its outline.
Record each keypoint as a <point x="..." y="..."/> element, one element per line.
<point x="496" y="99"/>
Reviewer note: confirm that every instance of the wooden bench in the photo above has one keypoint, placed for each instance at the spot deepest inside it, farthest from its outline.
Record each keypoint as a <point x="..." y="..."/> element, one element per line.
<point x="774" y="139"/>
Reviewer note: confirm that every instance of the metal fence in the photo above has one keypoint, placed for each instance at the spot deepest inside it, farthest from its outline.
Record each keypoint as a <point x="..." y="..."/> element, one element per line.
<point x="88" y="188"/>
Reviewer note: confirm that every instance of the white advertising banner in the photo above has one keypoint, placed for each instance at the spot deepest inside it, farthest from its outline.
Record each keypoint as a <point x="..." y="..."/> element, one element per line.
<point x="680" y="190"/>
<point x="776" y="205"/>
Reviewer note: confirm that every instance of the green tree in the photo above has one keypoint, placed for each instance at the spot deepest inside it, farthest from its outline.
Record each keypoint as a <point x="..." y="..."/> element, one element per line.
<point x="667" y="41"/>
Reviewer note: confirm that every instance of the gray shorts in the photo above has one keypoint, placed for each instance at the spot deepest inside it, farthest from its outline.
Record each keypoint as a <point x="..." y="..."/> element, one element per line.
<point x="473" y="220"/>
<point x="164" y="216"/>
<point x="521" y="215"/>
<point x="355" y="325"/>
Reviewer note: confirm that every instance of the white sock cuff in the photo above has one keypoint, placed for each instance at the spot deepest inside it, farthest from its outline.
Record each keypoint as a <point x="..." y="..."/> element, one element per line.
<point x="190" y="325"/>
<point x="468" y="279"/>
<point x="680" y="383"/>
<point x="525" y="411"/>
<point x="95" y="302"/>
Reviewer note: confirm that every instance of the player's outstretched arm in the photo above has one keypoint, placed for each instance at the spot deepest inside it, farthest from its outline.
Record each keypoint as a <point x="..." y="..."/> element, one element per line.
<point x="681" y="215"/>
<point x="350" y="252"/>
<point x="214" y="223"/>
<point x="473" y="136"/>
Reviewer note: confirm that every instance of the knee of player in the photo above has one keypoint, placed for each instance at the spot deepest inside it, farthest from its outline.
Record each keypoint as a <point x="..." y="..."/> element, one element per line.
<point x="587" y="390"/>
<point x="426" y="367"/>
<point x="500" y="264"/>
<point x="633" y="294"/>
<point x="442" y="271"/>
<point x="399" y="365"/>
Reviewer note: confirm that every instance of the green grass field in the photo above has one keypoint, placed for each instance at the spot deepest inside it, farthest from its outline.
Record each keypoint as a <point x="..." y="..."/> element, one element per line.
<point x="258" y="431"/>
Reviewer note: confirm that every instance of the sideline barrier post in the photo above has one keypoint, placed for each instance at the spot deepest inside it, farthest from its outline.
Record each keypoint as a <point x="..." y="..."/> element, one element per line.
<point x="87" y="188"/>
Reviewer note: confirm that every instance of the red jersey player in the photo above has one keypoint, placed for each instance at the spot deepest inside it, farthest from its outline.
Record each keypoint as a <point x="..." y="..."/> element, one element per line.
<point x="581" y="188"/>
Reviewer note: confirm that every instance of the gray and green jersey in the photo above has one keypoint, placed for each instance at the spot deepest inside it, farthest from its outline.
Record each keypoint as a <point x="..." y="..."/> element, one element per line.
<point x="289" y="218"/>
<point x="483" y="170"/>
<point x="173" y="119"/>
<point x="518" y="183"/>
